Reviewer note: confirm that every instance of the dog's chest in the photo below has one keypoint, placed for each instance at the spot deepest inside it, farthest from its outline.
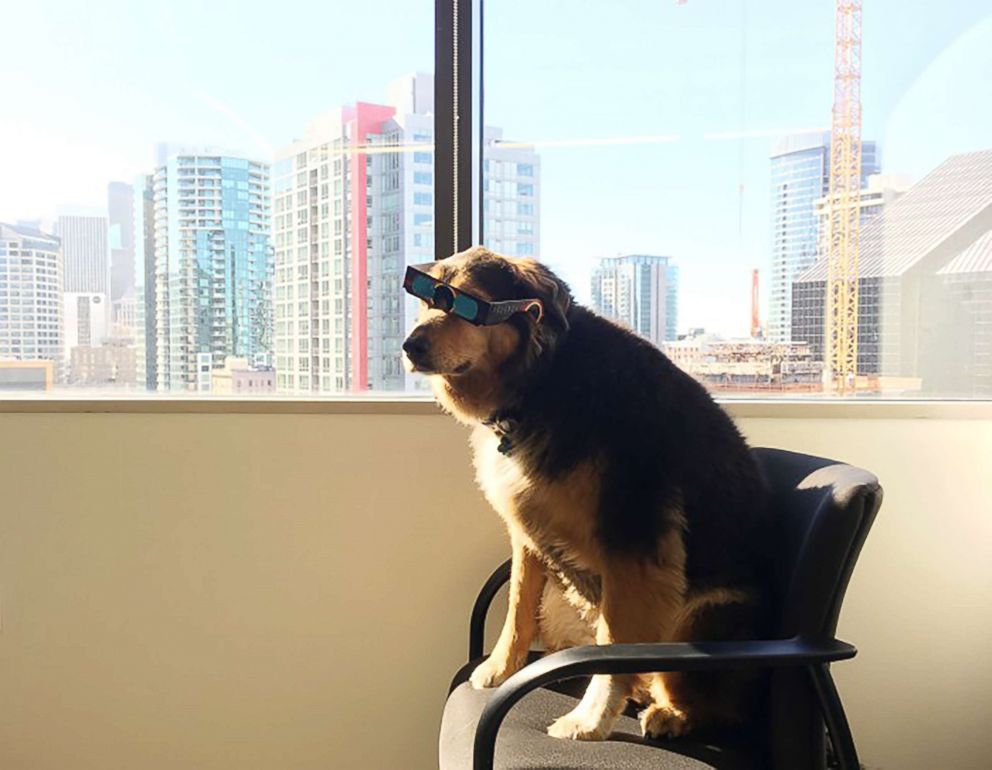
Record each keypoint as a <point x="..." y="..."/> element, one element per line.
<point x="554" y="519"/>
<point x="501" y="477"/>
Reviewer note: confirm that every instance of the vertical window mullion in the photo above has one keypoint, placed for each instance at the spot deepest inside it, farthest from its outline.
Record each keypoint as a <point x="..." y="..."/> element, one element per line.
<point x="453" y="119"/>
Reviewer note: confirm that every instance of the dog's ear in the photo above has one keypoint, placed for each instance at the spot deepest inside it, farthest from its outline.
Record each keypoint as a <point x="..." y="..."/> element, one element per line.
<point x="536" y="280"/>
<point x="539" y="339"/>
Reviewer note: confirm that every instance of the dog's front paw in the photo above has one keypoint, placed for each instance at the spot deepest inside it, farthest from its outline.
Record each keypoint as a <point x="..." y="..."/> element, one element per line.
<point x="579" y="726"/>
<point x="664" y="722"/>
<point x="492" y="673"/>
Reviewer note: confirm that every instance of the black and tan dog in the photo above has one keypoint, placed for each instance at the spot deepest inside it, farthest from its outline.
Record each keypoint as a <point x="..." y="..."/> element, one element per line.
<point x="634" y="510"/>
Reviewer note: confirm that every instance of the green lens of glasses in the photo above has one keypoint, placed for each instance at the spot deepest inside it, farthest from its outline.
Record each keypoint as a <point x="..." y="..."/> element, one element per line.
<point x="465" y="307"/>
<point x="444" y="298"/>
<point x="423" y="287"/>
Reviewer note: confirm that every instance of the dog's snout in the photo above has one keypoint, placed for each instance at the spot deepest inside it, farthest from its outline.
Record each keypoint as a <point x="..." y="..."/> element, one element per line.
<point x="416" y="345"/>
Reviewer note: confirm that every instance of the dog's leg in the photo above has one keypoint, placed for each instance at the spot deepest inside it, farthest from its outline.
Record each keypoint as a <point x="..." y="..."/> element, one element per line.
<point x="527" y="579"/>
<point x="641" y="601"/>
<point x="562" y="624"/>
<point x="662" y="717"/>
<point x="680" y="701"/>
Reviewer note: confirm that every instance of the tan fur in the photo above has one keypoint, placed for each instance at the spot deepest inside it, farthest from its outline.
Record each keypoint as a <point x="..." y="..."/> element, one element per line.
<point x="640" y="603"/>
<point x="472" y="395"/>
<point x="685" y="708"/>
<point x="562" y="512"/>
<point x="713" y="597"/>
<point x="565" y="618"/>
<point x="527" y="579"/>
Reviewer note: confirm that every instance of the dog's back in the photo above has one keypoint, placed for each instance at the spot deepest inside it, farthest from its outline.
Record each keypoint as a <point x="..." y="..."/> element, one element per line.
<point x="662" y="439"/>
<point x="665" y="446"/>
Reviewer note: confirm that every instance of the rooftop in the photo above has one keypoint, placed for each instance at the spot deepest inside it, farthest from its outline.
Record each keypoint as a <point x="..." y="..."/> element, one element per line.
<point x="25" y="231"/>
<point x="940" y="217"/>
<point x="977" y="258"/>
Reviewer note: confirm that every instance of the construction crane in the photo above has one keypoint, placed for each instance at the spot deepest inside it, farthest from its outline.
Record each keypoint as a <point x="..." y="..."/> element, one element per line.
<point x="755" y="313"/>
<point x="844" y="227"/>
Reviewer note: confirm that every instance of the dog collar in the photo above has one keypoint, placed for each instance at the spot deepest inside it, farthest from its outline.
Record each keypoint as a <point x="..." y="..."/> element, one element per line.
<point x="503" y="426"/>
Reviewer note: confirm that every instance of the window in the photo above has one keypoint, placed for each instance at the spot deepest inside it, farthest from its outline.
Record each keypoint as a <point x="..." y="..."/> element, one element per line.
<point x="703" y="156"/>
<point x="658" y="214"/>
<point x="251" y="224"/>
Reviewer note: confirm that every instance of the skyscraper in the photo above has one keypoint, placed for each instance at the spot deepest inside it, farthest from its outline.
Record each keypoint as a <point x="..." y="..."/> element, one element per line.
<point x="511" y="197"/>
<point x="353" y="204"/>
<point x="641" y="292"/>
<point x="879" y="191"/>
<point x="144" y="281"/>
<point x="800" y="175"/>
<point x="925" y="285"/>
<point x="85" y="251"/>
<point x="120" y="215"/>
<point x="209" y="228"/>
<point x="31" y="286"/>
<point x="85" y="321"/>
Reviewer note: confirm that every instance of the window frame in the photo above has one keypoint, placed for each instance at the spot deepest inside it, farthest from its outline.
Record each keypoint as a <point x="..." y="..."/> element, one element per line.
<point x="458" y="170"/>
<point x="382" y="403"/>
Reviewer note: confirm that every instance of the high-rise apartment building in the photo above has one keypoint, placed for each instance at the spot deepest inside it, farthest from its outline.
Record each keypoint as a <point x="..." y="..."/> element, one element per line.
<point x="511" y="197"/>
<point x="85" y="251"/>
<point x="800" y="175"/>
<point x="144" y="282"/>
<point x="208" y="225"/>
<point x="641" y="292"/>
<point x="31" y="286"/>
<point x="338" y="238"/>
<point x="353" y="204"/>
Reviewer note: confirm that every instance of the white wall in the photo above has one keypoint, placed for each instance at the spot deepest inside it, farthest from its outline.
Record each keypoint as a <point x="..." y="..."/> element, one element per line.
<point x="292" y="591"/>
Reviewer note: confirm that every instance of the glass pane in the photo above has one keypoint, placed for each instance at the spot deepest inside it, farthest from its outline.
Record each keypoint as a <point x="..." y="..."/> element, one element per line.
<point x="212" y="198"/>
<point x="672" y="160"/>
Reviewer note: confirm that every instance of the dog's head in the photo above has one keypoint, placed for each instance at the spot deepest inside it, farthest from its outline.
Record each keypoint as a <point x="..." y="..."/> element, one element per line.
<point x="478" y="366"/>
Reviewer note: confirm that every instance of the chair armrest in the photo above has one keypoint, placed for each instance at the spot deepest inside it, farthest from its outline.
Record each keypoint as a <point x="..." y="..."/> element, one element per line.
<point x="477" y="623"/>
<point x="645" y="658"/>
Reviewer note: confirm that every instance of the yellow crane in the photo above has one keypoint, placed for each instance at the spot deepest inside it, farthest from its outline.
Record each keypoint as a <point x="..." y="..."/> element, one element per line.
<point x="844" y="226"/>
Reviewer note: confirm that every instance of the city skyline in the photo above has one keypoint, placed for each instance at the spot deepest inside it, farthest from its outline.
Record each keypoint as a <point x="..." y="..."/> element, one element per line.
<point x="641" y="291"/>
<point x="705" y="129"/>
<point x="800" y="177"/>
<point x="669" y="149"/>
<point x="928" y="246"/>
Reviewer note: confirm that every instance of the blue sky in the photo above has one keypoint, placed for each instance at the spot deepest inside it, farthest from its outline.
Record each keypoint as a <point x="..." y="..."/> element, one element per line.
<point x="89" y="89"/>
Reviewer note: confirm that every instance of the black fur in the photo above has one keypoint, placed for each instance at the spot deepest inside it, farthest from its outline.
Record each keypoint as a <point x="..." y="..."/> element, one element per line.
<point x="596" y="391"/>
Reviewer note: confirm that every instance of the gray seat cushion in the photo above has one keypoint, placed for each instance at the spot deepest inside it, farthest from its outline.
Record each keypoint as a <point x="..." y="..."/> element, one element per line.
<point x="523" y="744"/>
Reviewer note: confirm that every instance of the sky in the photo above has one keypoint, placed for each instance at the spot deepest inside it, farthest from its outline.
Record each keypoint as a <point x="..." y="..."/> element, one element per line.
<point x="697" y="94"/>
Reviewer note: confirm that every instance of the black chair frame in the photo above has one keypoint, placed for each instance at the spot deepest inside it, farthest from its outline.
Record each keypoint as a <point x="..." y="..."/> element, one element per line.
<point x="814" y="655"/>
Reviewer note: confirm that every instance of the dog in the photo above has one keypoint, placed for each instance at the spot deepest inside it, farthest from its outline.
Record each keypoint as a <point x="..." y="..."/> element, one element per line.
<point x="634" y="509"/>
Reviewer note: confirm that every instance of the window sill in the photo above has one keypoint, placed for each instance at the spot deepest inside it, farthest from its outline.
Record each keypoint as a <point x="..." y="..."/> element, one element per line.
<point x="423" y="405"/>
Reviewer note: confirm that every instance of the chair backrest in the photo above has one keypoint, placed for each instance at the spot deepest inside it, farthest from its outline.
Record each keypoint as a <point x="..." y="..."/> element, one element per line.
<point x="823" y="511"/>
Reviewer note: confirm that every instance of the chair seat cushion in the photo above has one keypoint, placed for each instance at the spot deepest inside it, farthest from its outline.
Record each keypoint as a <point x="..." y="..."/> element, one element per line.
<point x="523" y="744"/>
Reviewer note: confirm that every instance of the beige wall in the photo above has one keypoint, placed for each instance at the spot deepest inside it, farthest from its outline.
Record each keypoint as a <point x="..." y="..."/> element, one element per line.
<point x="291" y="591"/>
